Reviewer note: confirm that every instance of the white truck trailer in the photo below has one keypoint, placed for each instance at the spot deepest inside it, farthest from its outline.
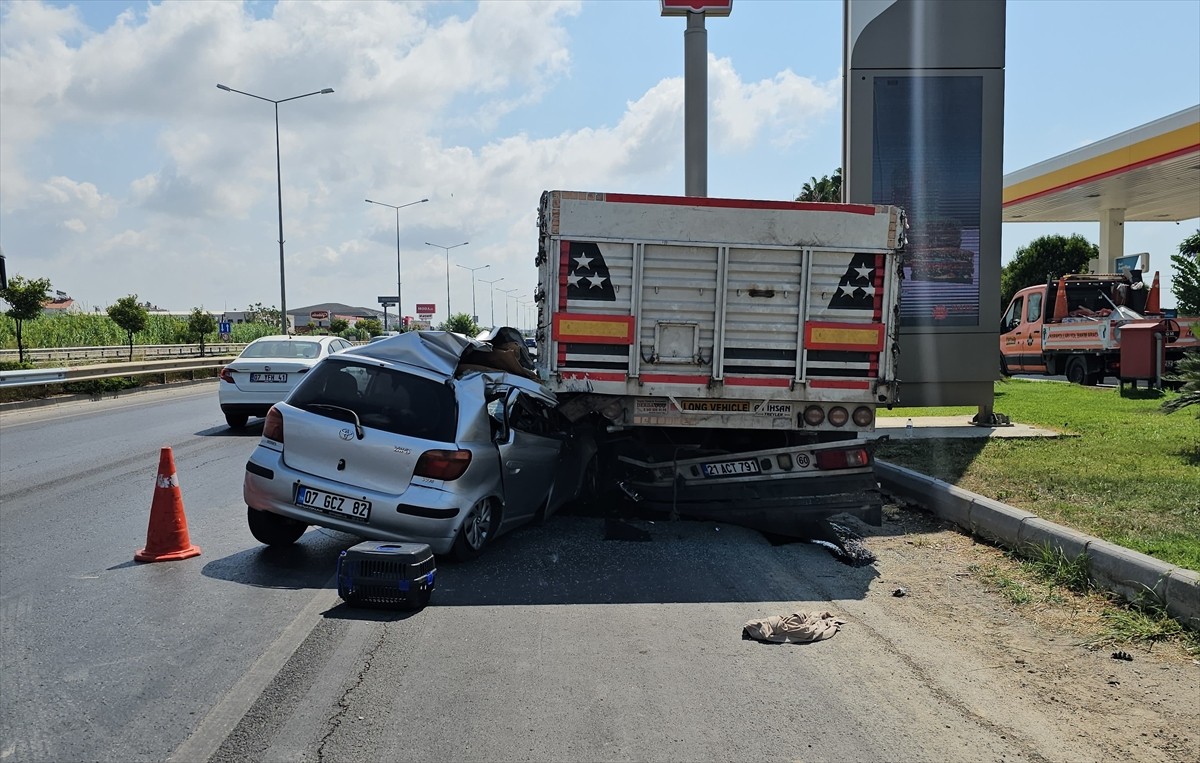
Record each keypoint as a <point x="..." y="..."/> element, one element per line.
<point x="729" y="352"/>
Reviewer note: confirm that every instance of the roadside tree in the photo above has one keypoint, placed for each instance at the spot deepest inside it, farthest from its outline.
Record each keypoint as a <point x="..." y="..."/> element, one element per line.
<point x="200" y="324"/>
<point x="1044" y="258"/>
<point x="1186" y="283"/>
<point x="826" y="189"/>
<point x="25" y="299"/>
<point x="130" y="315"/>
<point x="460" y="323"/>
<point x="371" y="325"/>
<point x="338" y="326"/>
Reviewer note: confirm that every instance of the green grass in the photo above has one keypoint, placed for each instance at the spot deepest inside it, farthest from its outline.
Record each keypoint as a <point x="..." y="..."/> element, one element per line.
<point x="1124" y="472"/>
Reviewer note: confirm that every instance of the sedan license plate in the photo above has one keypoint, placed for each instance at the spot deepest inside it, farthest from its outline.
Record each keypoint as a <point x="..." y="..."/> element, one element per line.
<point x="730" y="468"/>
<point x="276" y="378"/>
<point x="352" y="508"/>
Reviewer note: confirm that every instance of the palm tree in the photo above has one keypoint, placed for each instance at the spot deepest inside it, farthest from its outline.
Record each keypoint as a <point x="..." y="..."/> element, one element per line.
<point x="826" y="189"/>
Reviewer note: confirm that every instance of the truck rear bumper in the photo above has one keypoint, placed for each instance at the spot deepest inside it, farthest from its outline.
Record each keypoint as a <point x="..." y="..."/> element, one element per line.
<point x="786" y="507"/>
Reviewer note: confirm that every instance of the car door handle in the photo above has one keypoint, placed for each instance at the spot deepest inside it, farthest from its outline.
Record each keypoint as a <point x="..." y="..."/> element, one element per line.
<point x="514" y="467"/>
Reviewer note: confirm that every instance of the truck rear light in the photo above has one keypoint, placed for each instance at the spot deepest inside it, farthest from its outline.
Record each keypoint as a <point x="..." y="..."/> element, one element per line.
<point x="814" y="416"/>
<point x="863" y="416"/>
<point x="838" y="416"/>
<point x="273" y="426"/>
<point x="226" y="375"/>
<point x="442" y="464"/>
<point x="843" y="459"/>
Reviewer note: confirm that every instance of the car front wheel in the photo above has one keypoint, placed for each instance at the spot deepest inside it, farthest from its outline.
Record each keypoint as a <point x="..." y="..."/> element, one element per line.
<point x="476" y="532"/>
<point x="273" y="529"/>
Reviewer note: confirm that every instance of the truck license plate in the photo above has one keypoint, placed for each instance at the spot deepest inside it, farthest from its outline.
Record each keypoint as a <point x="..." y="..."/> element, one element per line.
<point x="352" y="508"/>
<point x="730" y="468"/>
<point x="277" y="378"/>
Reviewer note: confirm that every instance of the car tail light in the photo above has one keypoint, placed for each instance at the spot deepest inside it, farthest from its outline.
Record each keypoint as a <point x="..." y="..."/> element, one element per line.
<point x="814" y="416"/>
<point x="838" y="416"/>
<point x="226" y="375"/>
<point x="842" y="459"/>
<point x="442" y="464"/>
<point x="863" y="416"/>
<point x="273" y="426"/>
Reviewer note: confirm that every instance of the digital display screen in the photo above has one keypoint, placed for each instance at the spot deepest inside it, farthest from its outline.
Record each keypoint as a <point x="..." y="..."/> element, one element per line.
<point x="928" y="154"/>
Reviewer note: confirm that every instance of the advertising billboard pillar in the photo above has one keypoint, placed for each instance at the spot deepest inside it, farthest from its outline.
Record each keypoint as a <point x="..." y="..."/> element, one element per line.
<point x="924" y="130"/>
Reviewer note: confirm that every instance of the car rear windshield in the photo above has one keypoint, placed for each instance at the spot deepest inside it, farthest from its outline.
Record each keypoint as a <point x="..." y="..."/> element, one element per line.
<point x="393" y="401"/>
<point x="282" y="349"/>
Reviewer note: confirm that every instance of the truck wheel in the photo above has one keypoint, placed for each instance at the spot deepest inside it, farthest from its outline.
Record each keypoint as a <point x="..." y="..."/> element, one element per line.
<point x="1076" y="370"/>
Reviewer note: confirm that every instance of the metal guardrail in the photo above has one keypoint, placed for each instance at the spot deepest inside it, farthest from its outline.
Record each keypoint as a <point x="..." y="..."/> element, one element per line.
<point x="121" y="352"/>
<point x="40" y="376"/>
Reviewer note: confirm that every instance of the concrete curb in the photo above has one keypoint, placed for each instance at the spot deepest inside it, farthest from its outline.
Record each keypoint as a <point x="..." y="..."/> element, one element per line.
<point x="1114" y="568"/>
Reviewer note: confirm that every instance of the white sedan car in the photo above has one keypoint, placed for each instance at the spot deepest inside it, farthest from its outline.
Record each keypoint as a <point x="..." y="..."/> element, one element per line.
<point x="267" y="371"/>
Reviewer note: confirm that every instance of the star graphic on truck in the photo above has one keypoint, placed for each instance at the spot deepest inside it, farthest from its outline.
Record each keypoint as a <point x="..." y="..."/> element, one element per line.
<point x="856" y="287"/>
<point x="587" y="273"/>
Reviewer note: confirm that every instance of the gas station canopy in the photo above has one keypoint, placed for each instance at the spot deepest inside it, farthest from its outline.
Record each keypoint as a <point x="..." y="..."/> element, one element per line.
<point x="1149" y="173"/>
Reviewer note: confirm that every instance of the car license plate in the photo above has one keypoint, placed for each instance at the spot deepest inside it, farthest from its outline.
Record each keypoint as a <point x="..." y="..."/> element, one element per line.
<point x="277" y="378"/>
<point x="352" y="508"/>
<point x="730" y="468"/>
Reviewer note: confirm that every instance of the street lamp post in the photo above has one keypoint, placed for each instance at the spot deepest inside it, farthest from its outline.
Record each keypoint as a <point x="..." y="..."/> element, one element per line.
<point x="278" y="188"/>
<point x="447" y="250"/>
<point x="492" y="296"/>
<point x="474" y="315"/>
<point x="399" y="292"/>
<point x="507" y="295"/>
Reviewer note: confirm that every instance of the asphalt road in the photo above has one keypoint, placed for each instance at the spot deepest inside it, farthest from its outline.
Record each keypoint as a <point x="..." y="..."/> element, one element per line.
<point x="585" y="639"/>
<point x="103" y="658"/>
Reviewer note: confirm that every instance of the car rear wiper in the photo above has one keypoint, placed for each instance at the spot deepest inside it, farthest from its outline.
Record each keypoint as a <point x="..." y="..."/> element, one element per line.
<point x="358" y="430"/>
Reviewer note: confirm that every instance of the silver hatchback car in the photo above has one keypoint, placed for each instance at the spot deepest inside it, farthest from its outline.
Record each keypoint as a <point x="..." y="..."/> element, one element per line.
<point x="426" y="437"/>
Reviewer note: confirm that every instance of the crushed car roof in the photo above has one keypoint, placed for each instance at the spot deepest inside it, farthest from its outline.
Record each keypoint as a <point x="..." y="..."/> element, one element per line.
<point x="450" y="354"/>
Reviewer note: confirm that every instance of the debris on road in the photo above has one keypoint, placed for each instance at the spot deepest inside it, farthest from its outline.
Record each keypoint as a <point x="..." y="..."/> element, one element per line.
<point x="796" y="628"/>
<point x="901" y="591"/>
<point x="1122" y="656"/>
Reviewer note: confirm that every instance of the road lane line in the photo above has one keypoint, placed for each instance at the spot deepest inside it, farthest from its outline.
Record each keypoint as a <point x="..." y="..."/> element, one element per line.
<point x="207" y="737"/>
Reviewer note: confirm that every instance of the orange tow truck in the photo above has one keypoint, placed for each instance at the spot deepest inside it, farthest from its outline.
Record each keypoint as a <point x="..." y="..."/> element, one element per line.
<point x="1088" y="327"/>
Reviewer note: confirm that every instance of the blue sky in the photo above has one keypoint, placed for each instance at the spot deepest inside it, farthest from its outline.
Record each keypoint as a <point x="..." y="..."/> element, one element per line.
<point x="123" y="169"/>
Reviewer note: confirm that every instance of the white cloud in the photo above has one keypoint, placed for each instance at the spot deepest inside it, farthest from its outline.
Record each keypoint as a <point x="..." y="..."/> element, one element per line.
<point x="183" y="207"/>
<point x="785" y="107"/>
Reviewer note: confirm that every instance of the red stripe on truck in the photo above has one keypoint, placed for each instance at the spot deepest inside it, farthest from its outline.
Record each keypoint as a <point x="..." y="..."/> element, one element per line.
<point x="701" y="201"/>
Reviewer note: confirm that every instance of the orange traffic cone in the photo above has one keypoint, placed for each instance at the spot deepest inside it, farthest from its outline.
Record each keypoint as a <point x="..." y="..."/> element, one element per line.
<point x="1152" y="297"/>
<point x="1060" y="300"/>
<point x="167" y="537"/>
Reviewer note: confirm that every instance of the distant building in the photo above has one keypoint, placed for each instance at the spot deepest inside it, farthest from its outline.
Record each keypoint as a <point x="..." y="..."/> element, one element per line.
<point x="59" y="304"/>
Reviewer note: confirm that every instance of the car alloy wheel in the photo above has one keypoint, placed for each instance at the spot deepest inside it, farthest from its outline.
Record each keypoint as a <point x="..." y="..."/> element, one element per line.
<point x="476" y="531"/>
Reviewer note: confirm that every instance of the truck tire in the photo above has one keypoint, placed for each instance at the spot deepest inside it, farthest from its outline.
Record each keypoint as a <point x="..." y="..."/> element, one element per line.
<point x="1078" y="372"/>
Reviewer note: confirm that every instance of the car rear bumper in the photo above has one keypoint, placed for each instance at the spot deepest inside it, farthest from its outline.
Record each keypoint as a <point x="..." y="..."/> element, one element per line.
<point x="419" y="515"/>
